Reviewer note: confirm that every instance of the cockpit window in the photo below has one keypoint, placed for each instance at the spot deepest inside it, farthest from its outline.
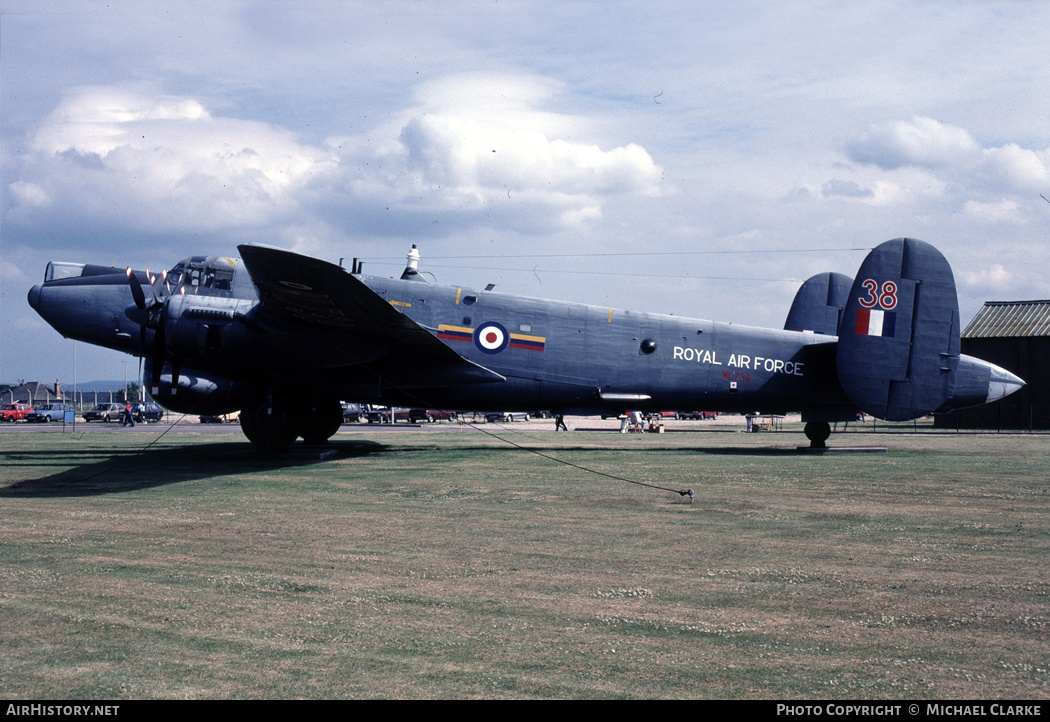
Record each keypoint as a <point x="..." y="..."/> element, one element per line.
<point x="212" y="276"/>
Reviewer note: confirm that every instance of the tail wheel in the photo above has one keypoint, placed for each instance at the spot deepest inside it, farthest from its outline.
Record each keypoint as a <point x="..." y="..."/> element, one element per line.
<point x="818" y="432"/>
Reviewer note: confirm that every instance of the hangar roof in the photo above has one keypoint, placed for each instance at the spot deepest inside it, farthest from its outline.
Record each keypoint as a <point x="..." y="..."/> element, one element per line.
<point x="1002" y="319"/>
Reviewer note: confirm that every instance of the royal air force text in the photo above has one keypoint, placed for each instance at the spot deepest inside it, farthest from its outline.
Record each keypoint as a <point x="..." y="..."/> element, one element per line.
<point x="738" y="361"/>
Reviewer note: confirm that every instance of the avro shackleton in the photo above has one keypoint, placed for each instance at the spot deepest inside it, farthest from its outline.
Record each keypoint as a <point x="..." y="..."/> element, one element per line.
<point x="283" y="337"/>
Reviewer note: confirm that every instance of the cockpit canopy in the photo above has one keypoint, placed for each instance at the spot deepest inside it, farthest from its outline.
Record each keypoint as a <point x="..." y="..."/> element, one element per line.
<point x="195" y="276"/>
<point x="204" y="275"/>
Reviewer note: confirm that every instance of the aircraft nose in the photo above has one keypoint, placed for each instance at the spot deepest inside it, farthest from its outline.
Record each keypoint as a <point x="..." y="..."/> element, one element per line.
<point x="34" y="297"/>
<point x="1002" y="383"/>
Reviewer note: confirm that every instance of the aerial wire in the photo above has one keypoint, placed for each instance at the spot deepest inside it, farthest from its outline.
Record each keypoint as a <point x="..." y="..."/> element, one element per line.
<point x="680" y="492"/>
<point x="606" y="254"/>
<point x="424" y="404"/>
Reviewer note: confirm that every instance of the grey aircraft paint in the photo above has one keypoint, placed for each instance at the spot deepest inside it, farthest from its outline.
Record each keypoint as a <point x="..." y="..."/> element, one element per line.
<point x="283" y="338"/>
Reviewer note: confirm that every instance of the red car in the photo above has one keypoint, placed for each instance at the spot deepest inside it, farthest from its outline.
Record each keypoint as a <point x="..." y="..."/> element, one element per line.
<point x="15" y="412"/>
<point x="430" y="415"/>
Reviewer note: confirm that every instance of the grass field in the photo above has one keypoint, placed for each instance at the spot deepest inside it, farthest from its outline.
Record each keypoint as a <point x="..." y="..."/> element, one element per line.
<point x="451" y="564"/>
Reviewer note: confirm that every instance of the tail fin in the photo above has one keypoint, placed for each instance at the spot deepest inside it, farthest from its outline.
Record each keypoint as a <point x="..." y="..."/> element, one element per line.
<point x="898" y="348"/>
<point x="819" y="303"/>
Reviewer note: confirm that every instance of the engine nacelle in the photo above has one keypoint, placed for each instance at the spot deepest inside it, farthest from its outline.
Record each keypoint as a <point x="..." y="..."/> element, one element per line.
<point x="196" y="393"/>
<point x="206" y="328"/>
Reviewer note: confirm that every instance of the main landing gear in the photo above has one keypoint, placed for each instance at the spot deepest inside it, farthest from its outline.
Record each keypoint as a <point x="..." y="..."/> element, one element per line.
<point x="272" y="425"/>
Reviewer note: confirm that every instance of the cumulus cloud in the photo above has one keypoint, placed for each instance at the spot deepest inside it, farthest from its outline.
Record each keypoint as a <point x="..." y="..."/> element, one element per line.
<point x="957" y="163"/>
<point x="1017" y="167"/>
<point x="923" y="142"/>
<point x="993" y="278"/>
<point x="846" y="189"/>
<point x="155" y="160"/>
<point x="946" y="149"/>
<point x="868" y="192"/>
<point x="481" y="146"/>
<point x="993" y="212"/>
<point x="477" y="148"/>
<point x="30" y="195"/>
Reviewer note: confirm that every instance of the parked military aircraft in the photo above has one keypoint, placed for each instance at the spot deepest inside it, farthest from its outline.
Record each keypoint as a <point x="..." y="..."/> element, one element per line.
<point x="283" y="337"/>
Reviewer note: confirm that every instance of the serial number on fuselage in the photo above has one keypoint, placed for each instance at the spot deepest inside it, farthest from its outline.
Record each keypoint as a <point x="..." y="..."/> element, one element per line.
<point x="739" y="360"/>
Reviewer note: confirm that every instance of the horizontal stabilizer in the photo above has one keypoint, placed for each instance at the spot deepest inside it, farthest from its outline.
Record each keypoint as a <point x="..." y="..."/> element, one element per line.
<point x="898" y="348"/>
<point x="819" y="304"/>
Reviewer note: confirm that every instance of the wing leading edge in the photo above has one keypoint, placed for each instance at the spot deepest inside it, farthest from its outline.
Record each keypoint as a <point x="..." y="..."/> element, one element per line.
<point x="310" y="295"/>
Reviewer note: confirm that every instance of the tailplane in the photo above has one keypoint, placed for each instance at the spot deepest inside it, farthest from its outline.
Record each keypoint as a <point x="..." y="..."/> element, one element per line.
<point x="898" y="347"/>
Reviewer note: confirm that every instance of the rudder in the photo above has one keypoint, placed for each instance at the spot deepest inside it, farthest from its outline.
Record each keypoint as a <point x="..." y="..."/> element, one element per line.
<point x="898" y="348"/>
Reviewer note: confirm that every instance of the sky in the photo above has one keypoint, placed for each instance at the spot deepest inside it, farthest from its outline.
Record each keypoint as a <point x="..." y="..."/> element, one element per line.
<point x="700" y="159"/>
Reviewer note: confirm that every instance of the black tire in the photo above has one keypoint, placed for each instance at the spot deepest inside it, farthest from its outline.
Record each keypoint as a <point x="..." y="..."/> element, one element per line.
<point x="818" y="432"/>
<point x="319" y="422"/>
<point x="268" y="428"/>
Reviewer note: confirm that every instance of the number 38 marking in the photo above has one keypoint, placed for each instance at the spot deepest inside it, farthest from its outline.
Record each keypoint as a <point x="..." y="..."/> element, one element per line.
<point x="886" y="299"/>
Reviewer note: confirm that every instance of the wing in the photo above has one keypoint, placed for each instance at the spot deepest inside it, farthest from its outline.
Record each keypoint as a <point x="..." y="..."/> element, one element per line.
<point x="309" y="295"/>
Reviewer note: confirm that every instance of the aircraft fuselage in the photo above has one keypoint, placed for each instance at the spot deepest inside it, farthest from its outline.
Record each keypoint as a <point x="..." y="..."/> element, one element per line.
<point x="294" y="336"/>
<point x="573" y="356"/>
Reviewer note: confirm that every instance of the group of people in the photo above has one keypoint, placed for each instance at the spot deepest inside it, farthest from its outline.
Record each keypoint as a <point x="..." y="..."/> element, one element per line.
<point x="632" y="422"/>
<point x="131" y="414"/>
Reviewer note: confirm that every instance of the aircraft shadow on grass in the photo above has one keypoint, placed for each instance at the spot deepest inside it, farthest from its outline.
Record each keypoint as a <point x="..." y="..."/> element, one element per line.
<point x="124" y="470"/>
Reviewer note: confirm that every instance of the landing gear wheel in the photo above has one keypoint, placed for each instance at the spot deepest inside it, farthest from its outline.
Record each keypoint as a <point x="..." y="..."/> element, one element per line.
<point x="318" y="423"/>
<point x="818" y="432"/>
<point x="269" y="427"/>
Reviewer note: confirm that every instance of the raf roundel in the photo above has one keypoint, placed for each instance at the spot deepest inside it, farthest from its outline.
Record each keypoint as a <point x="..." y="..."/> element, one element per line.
<point x="491" y="337"/>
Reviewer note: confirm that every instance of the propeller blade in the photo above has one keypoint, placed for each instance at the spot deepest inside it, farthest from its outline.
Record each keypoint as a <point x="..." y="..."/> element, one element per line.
<point x="158" y="359"/>
<point x="175" y="368"/>
<point x="136" y="289"/>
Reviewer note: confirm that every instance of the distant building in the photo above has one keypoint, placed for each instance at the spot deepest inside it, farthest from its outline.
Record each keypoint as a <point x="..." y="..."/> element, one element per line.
<point x="1016" y="336"/>
<point x="34" y="393"/>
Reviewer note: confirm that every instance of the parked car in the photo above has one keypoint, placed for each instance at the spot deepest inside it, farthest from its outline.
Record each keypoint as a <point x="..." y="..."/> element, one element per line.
<point x="430" y="415"/>
<point x="379" y="415"/>
<point x="152" y="412"/>
<point x="352" y="413"/>
<point x="697" y="414"/>
<point x="48" y="413"/>
<point x="106" y="411"/>
<point x="231" y="418"/>
<point x="507" y="416"/>
<point x="15" y="411"/>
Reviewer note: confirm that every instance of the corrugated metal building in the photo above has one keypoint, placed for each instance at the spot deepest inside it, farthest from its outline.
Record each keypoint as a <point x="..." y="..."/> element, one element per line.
<point x="1016" y="336"/>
